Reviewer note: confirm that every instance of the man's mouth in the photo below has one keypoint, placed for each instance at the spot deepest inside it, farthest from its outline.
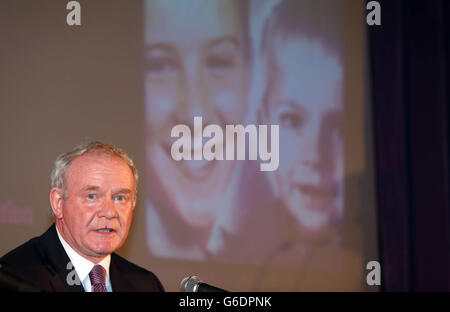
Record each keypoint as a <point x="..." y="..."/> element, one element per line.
<point x="105" y="230"/>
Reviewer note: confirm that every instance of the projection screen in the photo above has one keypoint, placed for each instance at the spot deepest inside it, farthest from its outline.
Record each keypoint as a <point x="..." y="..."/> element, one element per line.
<point x="134" y="70"/>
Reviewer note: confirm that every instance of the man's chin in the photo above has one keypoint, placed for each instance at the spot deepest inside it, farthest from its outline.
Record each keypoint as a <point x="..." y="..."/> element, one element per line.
<point x="103" y="251"/>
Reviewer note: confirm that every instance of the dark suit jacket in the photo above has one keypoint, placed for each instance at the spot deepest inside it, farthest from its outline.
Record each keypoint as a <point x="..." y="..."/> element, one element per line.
<point x="42" y="262"/>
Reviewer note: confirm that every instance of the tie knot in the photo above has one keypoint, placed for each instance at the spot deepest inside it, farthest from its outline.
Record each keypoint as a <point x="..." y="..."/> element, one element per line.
<point x="97" y="275"/>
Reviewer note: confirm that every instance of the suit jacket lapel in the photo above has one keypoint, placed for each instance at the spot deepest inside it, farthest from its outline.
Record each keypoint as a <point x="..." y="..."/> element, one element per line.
<point x="58" y="263"/>
<point x="60" y="281"/>
<point x="118" y="280"/>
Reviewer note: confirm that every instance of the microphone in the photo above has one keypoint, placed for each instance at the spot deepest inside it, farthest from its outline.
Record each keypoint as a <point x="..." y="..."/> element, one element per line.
<point x="194" y="284"/>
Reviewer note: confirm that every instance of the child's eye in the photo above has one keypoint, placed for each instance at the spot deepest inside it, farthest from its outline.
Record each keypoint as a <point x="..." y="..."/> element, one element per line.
<point x="290" y="120"/>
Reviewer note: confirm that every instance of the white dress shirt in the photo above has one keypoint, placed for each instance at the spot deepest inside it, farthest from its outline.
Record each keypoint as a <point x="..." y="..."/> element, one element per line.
<point x="83" y="266"/>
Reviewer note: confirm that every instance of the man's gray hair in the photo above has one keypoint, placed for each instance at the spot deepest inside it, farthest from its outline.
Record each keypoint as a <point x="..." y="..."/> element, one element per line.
<point x="63" y="161"/>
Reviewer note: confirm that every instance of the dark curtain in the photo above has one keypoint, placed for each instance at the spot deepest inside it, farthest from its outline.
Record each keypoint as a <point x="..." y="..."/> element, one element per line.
<point x="409" y="63"/>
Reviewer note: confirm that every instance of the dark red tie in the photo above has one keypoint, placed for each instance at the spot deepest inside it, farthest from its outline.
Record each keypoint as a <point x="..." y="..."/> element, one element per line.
<point x="97" y="276"/>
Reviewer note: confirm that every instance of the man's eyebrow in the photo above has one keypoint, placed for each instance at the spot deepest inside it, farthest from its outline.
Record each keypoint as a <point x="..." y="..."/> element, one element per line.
<point x="123" y="190"/>
<point x="90" y="188"/>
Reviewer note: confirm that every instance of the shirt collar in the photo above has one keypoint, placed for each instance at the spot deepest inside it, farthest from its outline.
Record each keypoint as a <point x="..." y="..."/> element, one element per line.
<point x="82" y="265"/>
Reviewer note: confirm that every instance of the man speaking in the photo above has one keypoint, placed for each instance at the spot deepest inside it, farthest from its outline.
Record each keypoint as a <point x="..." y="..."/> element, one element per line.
<point x="93" y="194"/>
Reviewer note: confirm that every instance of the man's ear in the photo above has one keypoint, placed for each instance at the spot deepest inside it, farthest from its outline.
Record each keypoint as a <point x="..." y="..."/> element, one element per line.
<point x="56" y="202"/>
<point x="134" y="201"/>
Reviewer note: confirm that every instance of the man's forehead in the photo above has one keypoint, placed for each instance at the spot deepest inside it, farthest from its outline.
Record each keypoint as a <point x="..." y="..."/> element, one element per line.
<point x="97" y="163"/>
<point x="95" y="188"/>
<point x="98" y="157"/>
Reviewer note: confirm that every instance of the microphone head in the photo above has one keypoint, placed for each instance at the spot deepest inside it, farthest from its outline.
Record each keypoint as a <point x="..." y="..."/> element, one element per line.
<point x="188" y="284"/>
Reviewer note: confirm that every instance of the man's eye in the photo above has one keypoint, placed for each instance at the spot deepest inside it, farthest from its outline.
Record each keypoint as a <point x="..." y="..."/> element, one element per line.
<point x="92" y="196"/>
<point x="120" y="198"/>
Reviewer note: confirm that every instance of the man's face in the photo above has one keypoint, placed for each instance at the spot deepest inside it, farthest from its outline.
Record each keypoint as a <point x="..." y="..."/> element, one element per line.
<point x="100" y="194"/>
<point x="306" y="102"/>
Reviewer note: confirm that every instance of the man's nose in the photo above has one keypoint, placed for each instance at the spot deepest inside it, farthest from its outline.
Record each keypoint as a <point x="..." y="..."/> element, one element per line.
<point x="108" y="209"/>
